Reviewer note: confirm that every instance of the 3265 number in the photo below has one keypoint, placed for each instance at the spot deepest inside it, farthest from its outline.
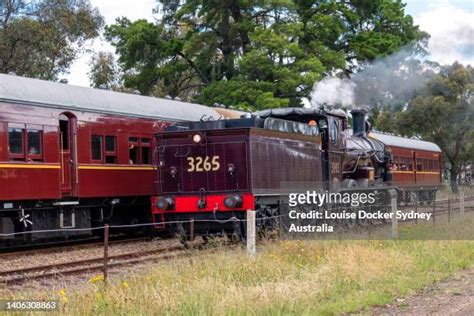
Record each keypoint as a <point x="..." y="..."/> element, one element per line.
<point x="201" y="164"/>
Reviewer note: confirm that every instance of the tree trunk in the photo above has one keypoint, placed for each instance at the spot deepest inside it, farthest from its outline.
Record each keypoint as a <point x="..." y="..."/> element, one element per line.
<point x="454" y="178"/>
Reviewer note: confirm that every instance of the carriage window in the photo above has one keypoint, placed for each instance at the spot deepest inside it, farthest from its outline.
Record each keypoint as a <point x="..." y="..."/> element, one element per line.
<point x="404" y="164"/>
<point x="146" y="155"/>
<point x="146" y="151"/>
<point x="34" y="142"/>
<point x="133" y="151"/>
<point x="110" y="149"/>
<point x="333" y="132"/>
<point x="419" y="165"/>
<point x="96" y="147"/>
<point x="110" y="142"/>
<point x="64" y="130"/>
<point x="15" y="140"/>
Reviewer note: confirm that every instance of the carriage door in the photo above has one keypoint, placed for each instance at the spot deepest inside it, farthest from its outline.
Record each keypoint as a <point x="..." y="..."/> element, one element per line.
<point x="67" y="138"/>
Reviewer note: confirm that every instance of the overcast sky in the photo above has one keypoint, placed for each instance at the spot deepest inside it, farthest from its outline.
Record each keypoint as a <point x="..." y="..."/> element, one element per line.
<point x="449" y="22"/>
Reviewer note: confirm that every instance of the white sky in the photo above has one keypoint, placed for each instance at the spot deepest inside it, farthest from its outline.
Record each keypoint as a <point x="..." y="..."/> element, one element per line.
<point x="449" y="22"/>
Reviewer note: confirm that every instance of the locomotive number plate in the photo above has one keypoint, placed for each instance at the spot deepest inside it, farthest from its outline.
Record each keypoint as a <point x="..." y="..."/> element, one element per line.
<point x="203" y="164"/>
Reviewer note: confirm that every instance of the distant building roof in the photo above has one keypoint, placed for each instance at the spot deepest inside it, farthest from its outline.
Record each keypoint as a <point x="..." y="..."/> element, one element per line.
<point x="51" y="94"/>
<point x="403" y="142"/>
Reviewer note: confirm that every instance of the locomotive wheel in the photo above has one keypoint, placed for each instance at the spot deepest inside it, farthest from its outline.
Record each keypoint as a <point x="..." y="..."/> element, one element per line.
<point x="181" y="235"/>
<point x="349" y="183"/>
<point x="350" y="223"/>
<point x="236" y="235"/>
<point x="268" y="223"/>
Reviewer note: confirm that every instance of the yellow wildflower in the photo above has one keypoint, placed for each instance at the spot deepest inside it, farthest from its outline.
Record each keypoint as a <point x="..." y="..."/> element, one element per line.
<point x="97" y="279"/>
<point x="63" y="296"/>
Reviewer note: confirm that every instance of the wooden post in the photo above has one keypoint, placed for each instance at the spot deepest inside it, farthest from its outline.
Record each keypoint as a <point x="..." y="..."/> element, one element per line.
<point x="393" y="196"/>
<point x="416" y="210"/>
<point x="434" y="212"/>
<point x="251" y="233"/>
<point x="449" y="209"/>
<point x="461" y="204"/>
<point x="106" y="250"/>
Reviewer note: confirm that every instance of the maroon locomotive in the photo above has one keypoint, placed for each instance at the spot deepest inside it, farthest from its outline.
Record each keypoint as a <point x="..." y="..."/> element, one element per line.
<point x="213" y="172"/>
<point x="74" y="157"/>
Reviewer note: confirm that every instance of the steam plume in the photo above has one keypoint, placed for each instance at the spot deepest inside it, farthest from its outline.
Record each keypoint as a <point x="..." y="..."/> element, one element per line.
<point x="334" y="91"/>
<point x="388" y="82"/>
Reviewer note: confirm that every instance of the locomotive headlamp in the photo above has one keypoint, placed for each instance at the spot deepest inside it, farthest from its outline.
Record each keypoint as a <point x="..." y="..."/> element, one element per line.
<point x="197" y="138"/>
<point x="173" y="172"/>
<point x="233" y="201"/>
<point x="165" y="203"/>
<point x="231" y="168"/>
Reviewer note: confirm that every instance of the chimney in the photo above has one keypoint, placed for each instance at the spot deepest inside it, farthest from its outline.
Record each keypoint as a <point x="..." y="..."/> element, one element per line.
<point x="358" y="122"/>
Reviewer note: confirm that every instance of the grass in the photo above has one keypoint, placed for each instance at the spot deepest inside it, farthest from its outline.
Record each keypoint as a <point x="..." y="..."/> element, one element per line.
<point x="286" y="278"/>
<point x="446" y="191"/>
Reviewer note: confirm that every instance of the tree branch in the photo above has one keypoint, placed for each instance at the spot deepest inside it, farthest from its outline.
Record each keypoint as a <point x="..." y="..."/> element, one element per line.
<point x="196" y="69"/>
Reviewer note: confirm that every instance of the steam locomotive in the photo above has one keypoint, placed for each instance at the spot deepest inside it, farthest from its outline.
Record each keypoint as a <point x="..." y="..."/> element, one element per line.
<point x="214" y="171"/>
<point x="74" y="158"/>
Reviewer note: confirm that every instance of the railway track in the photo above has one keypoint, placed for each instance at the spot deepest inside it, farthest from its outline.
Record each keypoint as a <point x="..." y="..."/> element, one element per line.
<point x="74" y="245"/>
<point x="441" y="206"/>
<point x="90" y="265"/>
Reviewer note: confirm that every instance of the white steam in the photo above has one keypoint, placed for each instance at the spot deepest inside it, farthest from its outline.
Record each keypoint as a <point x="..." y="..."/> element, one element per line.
<point x="388" y="82"/>
<point x="333" y="91"/>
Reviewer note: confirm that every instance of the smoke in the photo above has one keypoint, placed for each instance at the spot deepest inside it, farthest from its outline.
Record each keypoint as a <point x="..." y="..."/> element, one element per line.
<point x="334" y="91"/>
<point x="388" y="82"/>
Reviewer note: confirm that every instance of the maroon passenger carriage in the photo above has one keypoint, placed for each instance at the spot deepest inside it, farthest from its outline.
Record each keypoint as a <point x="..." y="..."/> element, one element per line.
<point x="213" y="172"/>
<point x="415" y="166"/>
<point x="74" y="157"/>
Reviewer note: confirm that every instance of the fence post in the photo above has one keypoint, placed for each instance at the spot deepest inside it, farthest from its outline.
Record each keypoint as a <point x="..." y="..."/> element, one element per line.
<point x="251" y="229"/>
<point x="393" y="197"/>
<point x="461" y="204"/>
<point x="106" y="250"/>
<point x="416" y="209"/>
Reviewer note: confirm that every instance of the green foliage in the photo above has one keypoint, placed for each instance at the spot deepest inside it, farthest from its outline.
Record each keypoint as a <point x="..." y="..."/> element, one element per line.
<point x="387" y="122"/>
<point x="41" y="39"/>
<point x="104" y="71"/>
<point x="444" y="113"/>
<point x="256" y="53"/>
<point x="242" y="94"/>
<point x="151" y="60"/>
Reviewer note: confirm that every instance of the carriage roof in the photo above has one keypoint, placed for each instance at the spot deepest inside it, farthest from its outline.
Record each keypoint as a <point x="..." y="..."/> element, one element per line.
<point x="58" y="95"/>
<point x="398" y="141"/>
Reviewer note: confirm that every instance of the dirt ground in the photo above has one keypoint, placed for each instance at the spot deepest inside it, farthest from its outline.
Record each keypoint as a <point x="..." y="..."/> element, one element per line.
<point x="454" y="296"/>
